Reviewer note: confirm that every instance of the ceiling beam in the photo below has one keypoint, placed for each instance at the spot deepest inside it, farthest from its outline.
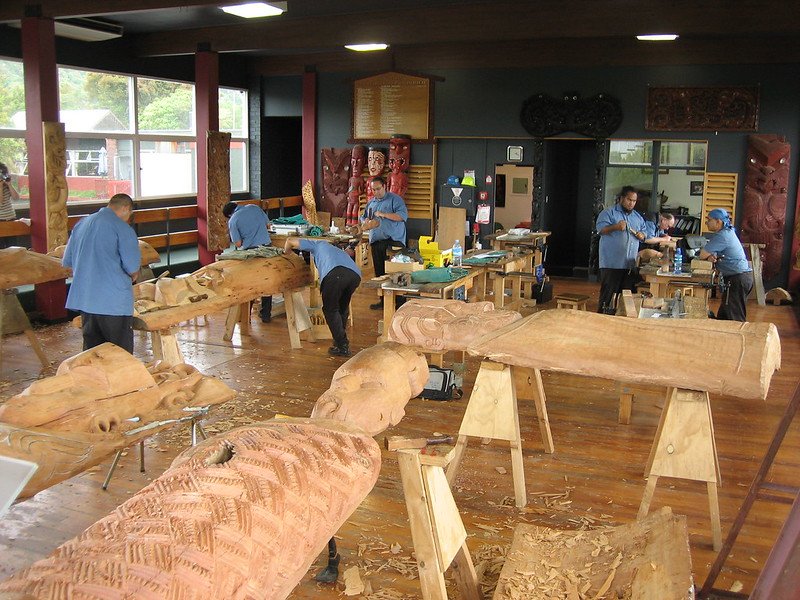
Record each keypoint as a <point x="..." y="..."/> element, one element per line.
<point x="14" y="10"/>
<point x="501" y="21"/>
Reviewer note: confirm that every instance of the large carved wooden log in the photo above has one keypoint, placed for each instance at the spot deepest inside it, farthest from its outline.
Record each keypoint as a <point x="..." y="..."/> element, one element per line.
<point x="765" y="194"/>
<point x="98" y="402"/>
<point x="725" y="357"/>
<point x="372" y="389"/>
<point x="19" y="266"/>
<point x="55" y="183"/>
<point x="442" y="325"/>
<point x="149" y="254"/>
<point x="242" y="515"/>
<point x="228" y="282"/>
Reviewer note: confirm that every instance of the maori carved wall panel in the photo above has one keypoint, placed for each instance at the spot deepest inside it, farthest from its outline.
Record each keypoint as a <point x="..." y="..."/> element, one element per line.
<point x="355" y="186"/>
<point x="242" y="515"/>
<point x="702" y="109"/>
<point x="55" y="183"/>
<point x="794" y="267"/>
<point x="597" y="117"/>
<point x="372" y="389"/>
<point x="399" y="160"/>
<point x="765" y="194"/>
<point x="335" y="177"/>
<point x="219" y="188"/>
<point x="19" y="266"/>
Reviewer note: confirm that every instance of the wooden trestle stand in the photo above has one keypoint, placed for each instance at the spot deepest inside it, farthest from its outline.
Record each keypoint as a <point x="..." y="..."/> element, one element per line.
<point x="14" y="320"/>
<point x="492" y="413"/>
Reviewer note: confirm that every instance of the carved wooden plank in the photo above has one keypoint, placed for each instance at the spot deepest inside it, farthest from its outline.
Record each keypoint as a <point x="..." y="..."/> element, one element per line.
<point x="19" y="266"/>
<point x="219" y="188"/>
<point x="55" y="183"/>
<point x="745" y="354"/>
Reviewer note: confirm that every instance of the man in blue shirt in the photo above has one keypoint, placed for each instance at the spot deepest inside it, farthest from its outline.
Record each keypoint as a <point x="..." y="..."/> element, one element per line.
<point x="385" y="218"/>
<point x="103" y="253"/>
<point x="726" y="251"/>
<point x="339" y="278"/>
<point x="247" y="225"/>
<point x="621" y="229"/>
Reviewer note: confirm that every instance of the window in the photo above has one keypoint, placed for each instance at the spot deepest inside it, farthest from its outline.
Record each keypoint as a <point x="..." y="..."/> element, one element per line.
<point x="13" y="151"/>
<point x="233" y="119"/>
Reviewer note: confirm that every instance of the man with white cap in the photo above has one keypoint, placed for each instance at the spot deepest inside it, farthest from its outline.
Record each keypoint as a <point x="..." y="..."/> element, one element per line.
<point x="726" y="251"/>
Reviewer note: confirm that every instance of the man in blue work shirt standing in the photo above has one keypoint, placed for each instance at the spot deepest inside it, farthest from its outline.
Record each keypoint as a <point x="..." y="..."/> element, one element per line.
<point x="103" y="253"/>
<point x="385" y="218"/>
<point x="339" y="278"/>
<point x="621" y="229"/>
<point x="247" y="225"/>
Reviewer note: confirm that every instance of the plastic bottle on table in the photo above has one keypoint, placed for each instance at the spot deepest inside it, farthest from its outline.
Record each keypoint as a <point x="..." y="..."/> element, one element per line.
<point x="458" y="253"/>
<point x="678" y="262"/>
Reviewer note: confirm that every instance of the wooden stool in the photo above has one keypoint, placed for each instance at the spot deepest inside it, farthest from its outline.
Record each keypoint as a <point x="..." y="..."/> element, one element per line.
<point x="574" y="301"/>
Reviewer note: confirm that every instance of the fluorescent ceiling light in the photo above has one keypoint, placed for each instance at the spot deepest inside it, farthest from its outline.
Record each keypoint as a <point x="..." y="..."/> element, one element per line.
<point x="254" y="10"/>
<point x="658" y="37"/>
<point x="85" y="29"/>
<point x="367" y="47"/>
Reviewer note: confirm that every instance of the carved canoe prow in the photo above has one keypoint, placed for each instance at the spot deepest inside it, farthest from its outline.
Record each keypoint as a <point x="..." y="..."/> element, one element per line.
<point x="242" y="515"/>
<point x="19" y="266"/>
<point x="724" y="357"/>
<point x="442" y="325"/>
<point x="224" y="284"/>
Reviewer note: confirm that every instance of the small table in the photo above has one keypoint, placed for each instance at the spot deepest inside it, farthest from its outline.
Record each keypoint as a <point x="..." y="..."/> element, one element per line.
<point x="416" y="290"/>
<point x="498" y="269"/>
<point x="662" y="282"/>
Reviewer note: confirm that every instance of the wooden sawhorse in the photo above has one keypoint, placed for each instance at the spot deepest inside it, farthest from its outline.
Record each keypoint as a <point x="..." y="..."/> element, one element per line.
<point x="684" y="447"/>
<point x="492" y="413"/>
<point x="14" y="320"/>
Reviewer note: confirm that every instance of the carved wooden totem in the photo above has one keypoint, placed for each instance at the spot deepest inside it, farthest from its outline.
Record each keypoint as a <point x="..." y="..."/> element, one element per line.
<point x="335" y="179"/>
<point x="376" y="162"/>
<point x="55" y="183"/>
<point x="218" y="188"/>
<point x="355" y="186"/>
<point x="765" y="190"/>
<point x="399" y="159"/>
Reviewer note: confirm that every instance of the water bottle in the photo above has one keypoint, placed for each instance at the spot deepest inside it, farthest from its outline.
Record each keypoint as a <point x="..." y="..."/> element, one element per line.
<point x="678" y="264"/>
<point x="458" y="252"/>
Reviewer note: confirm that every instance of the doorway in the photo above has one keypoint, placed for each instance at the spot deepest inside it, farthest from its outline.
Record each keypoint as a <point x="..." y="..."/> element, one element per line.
<point x="567" y="210"/>
<point x="513" y="195"/>
<point x="281" y="156"/>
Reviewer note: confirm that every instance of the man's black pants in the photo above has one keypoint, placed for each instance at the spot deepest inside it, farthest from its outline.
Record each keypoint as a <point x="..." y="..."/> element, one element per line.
<point x="380" y="250"/>
<point x="337" y="288"/>
<point x="613" y="281"/>
<point x="98" y="329"/>
<point x="734" y="299"/>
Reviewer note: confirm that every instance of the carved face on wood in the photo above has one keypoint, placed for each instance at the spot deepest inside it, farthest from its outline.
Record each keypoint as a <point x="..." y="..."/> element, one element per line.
<point x="358" y="157"/>
<point x="399" y="154"/>
<point x="376" y="161"/>
<point x="335" y="176"/>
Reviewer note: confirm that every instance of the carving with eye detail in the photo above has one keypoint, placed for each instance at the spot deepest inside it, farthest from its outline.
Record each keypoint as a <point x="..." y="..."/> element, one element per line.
<point x="335" y="172"/>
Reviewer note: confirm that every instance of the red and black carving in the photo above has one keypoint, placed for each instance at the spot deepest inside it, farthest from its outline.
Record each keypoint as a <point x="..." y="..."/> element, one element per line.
<point x="765" y="190"/>
<point x="355" y="187"/>
<point x="597" y="117"/>
<point x="702" y="109"/>
<point x="399" y="159"/>
<point x="335" y="178"/>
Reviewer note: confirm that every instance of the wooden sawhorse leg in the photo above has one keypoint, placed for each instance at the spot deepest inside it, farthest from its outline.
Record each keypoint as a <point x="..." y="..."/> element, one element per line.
<point x="684" y="447"/>
<point x="14" y="320"/>
<point x="166" y="348"/>
<point x="529" y="386"/>
<point x="625" y="403"/>
<point x="297" y="317"/>
<point x="492" y="413"/>
<point x="436" y="527"/>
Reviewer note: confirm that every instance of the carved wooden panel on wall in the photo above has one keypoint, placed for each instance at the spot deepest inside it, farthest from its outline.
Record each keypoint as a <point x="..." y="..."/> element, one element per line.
<point x="765" y="192"/>
<point x="219" y="188"/>
<point x="597" y="117"/>
<point x="702" y="109"/>
<point x="55" y="183"/>
<point x="335" y="177"/>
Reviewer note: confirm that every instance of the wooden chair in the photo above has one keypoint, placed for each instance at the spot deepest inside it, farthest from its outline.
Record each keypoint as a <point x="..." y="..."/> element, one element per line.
<point x="573" y="301"/>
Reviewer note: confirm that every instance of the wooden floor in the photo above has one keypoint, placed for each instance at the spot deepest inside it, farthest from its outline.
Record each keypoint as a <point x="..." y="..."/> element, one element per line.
<point x="594" y="477"/>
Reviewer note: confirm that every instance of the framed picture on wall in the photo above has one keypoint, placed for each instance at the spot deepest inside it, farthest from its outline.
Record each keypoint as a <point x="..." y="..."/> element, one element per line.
<point x="695" y="188"/>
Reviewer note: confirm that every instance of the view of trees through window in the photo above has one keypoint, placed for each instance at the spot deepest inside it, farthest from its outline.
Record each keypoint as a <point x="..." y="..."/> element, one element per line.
<point x="124" y="133"/>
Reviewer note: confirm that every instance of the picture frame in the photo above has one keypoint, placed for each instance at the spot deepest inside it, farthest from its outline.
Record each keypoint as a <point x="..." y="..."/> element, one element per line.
<point x="695" y="188"/>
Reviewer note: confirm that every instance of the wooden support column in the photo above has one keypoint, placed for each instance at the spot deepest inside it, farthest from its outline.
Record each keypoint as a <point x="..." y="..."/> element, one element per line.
<point x="309" y="127"/>
<point x="41" y="105"/>
<point x="206" y="91"/>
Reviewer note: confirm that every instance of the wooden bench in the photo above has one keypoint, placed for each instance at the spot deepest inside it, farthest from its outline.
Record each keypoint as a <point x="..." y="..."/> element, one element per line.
<point x="573" y="301"/>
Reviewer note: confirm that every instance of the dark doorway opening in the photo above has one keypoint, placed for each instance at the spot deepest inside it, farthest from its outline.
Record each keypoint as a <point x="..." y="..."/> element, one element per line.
<point x="568" y="185"/>
<point x="281" y="160"/>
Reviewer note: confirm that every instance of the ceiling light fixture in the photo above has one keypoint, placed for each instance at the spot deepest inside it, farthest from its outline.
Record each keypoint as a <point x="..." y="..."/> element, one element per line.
<point x="255" y="10"/>
<point x="85" y="29"/>
<point x="366" y="47"/>
<point x="657" y="37"/>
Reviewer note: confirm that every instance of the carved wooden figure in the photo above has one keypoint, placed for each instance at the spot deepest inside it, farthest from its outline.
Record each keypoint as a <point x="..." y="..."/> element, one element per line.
<point x="443" y="325"/>
<point x="242" y="515"/>
<point x="19" y="266"/>
<point x="355" y="186"/>
<point x="309" y="203"/>
<point x="99" y="401"/>
<point x="399" y="160"/>
<point x="215" y="287"/>
<point x="55" y="183"/>
<point x="335" y="177"/>
<point x="376" y="162"/>
<point x="372" y="389"/>
<point x="218" y="188"/>
<point x="765" y="195"/>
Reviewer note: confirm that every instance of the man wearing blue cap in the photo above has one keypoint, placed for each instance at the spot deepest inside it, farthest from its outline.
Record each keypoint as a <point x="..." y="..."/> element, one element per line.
<point x="725" y="250"/>
<point x="621" y="229"/>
